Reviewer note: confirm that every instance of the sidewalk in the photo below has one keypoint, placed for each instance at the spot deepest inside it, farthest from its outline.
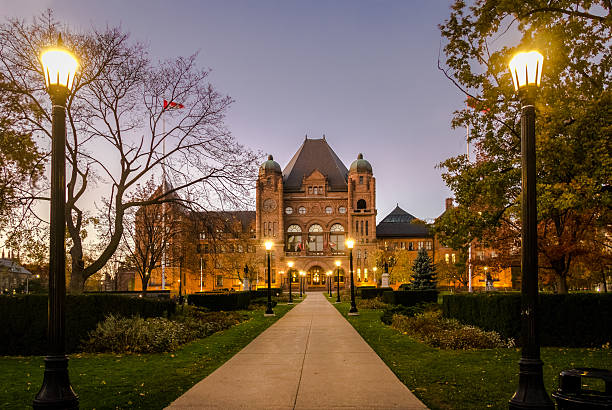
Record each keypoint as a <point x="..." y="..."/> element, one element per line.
<point x="312" y="358"/>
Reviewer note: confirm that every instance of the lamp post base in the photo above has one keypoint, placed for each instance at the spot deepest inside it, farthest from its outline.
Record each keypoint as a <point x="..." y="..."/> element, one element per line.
<point x="269" y="314"/>
<point x="56" y="391"/>
<point x="353" y="313"/>
<point x="531" y="393"/>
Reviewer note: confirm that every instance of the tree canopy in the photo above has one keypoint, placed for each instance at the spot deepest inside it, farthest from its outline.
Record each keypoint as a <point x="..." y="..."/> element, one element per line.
<point x="573" y="126"/>
<point x="121" y="131"/>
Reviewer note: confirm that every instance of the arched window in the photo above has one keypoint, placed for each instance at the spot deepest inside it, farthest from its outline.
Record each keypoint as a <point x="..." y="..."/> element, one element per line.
<point x="315" y="228"/>
<point x="336" y="237"/>
<point x="361" y="204"/>
<point x="294" y="238"/>
<point x="315" y="238"/>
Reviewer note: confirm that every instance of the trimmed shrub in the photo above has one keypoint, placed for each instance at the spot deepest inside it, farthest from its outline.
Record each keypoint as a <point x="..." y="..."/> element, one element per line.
<point x="436" y="331"/>
<point x="369" y="293"/>
<point x="23" y="319"/>
<point x="221" y="301"/>
<point x="572" y="320"/>
<point x="261" y="293"/>
<point x="410" y="297"/>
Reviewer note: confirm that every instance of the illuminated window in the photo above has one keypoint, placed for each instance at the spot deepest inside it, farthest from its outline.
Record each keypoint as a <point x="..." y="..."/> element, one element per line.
<point x="315" y="238"/>
<point x="453" y="258"/>
<point x="294" y="238"/>
<point x="447" y="258"/>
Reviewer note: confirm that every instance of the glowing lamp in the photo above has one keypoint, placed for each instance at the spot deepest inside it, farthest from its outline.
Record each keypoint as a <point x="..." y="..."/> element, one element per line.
<point x="302" y="273"/>
<point x="526" y="69"/>
<point x="59" y="66"/>
<point x="350" y="243"/>
<point x="328" y="273"/>
<point x="290" y="264"/>
<point x="269" y="245"/>
<point x="338" y="263"/>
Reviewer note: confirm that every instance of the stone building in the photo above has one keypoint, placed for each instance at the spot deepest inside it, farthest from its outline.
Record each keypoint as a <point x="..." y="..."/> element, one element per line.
<point x="311" y="207"/>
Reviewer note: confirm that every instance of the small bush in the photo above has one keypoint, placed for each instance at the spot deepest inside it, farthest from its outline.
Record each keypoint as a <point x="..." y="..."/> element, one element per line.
<point x="137" y="335"/>
<point x="375" y="303"/>
<point x="154" y="335"/>
<point x="431" y="328"/>
<point x="409" y="311"/>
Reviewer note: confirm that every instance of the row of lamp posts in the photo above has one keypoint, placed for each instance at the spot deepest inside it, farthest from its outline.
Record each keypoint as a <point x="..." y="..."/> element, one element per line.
<point x="60" y="66"/>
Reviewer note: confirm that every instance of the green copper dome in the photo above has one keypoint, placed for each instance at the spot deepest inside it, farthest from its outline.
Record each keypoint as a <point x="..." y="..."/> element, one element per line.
<point x="360" y="165"/>
<point x="270" y="165"/>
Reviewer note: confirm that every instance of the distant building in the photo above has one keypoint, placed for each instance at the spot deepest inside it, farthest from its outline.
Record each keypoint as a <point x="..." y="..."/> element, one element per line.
<point x="13" y="276"/>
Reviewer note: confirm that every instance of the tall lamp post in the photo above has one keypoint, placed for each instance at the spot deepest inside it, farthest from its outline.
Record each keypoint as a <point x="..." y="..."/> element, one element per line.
<point x="290" y="277"/>
<point x="329" y="274"/>
<point x="302" y="276"/>
<point x="338" y="282"/>
<point x="353" y="310"/>
<point x="59" y="66"/>
<point x="526" y="69"/>
<point x="269" y="311"/>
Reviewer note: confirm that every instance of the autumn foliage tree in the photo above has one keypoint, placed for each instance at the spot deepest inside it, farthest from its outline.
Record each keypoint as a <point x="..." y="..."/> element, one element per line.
<point x="120" y="131"/>
<point x="573" y="126"/>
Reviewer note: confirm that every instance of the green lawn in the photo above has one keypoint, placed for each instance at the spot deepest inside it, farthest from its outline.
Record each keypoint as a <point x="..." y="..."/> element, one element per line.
<point x="463" y="379"/>
<point x="147" y="381"/>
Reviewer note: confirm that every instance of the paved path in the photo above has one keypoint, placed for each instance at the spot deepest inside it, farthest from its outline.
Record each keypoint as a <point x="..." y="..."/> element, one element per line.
<point x="312" y="358"/>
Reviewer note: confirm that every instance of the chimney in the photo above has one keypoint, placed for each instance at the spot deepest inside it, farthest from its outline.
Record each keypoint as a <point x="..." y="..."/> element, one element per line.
<point x="449" y="203"/>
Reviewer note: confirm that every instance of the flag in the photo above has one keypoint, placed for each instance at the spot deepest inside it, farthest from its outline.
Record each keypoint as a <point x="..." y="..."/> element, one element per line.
<point x="172" y="105"/>
<point x="473" y="103"/>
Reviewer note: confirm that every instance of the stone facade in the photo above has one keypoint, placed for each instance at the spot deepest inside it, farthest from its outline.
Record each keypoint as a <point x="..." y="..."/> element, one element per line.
<point x="309" y="210"/>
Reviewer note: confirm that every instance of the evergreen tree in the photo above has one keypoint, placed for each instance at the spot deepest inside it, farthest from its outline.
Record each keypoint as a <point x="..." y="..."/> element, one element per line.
<point x="424" y="276"/>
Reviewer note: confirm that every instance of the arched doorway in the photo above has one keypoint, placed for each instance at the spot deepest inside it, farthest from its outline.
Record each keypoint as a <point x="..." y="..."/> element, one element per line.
<point x="316" y="276"/>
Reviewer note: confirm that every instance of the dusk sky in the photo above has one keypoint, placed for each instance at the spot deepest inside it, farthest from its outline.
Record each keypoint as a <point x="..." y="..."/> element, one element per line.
<point x="361" y="72"/>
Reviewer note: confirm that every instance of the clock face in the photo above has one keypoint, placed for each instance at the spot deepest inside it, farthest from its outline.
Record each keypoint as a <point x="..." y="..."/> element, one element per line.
<point x="269" y="205"/>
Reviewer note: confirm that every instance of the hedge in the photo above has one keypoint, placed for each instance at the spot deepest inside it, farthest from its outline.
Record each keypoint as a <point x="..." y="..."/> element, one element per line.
<point x="221" y="301"/>
<point x="23" y="319"/>
<point x="409" y="297"/>
<point x="370" y="293"/>
<point x="572" y="320"/>
<point x="261" y="293"/>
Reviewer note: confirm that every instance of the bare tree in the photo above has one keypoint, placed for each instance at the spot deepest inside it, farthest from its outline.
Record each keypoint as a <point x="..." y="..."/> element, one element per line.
<point x="127" y="117"/>
<point x="149" y="232"/>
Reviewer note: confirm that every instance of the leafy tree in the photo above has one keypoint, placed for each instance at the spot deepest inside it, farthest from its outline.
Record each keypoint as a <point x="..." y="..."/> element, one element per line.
<point x="455" y="271"/>
<point x="573" y="128"/>
<point x="424" y="272"/>
<point x="119" y="130"/>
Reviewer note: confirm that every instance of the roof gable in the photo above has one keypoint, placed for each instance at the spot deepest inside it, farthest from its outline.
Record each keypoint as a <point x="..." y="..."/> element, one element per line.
<point x="315" y="154"/>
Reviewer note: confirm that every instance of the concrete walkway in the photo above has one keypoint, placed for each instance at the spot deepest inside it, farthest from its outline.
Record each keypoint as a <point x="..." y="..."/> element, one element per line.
<point x="312" y="358"/>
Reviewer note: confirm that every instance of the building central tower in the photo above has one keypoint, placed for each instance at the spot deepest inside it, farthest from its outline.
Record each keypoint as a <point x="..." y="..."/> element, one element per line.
<point x="310" y="208"/>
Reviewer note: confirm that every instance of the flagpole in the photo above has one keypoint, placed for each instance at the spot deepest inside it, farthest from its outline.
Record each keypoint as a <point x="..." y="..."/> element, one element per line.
<point x="163" y="284"/>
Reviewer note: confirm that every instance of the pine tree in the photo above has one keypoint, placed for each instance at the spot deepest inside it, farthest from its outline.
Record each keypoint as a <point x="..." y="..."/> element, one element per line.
<point x="424" y="276"/>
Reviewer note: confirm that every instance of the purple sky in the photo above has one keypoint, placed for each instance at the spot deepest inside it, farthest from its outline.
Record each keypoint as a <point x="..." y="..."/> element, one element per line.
<point x="361" y="72"/>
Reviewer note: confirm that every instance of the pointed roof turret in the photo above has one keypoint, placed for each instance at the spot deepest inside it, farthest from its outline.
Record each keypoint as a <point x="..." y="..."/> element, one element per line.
<point x="315" y="154"/>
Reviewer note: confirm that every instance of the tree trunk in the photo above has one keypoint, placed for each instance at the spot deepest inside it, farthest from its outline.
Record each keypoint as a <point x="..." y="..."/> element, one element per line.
<point x="77" y="281"/>
<point x="562" y="280"/>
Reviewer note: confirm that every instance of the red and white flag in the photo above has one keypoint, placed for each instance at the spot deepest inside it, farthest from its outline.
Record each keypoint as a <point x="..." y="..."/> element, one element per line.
<point x="172" y="105"/>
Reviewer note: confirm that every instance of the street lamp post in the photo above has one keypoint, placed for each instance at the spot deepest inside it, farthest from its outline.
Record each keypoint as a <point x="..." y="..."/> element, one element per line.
<point x="290" y="276"/>
<point x="353" y="310"/>
<point x="329" y="274"/>
<point x="59" y="67"/>
<point x="338" y="283"/>
<point x="526" y="69"/>
<point x="302" y="275"/>
<point x="269" y="311"/>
